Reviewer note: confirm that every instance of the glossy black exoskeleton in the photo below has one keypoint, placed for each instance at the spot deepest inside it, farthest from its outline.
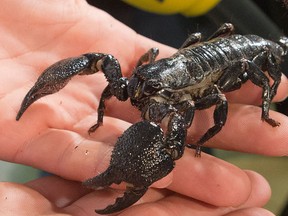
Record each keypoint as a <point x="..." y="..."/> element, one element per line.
<point x="194" y="78"/>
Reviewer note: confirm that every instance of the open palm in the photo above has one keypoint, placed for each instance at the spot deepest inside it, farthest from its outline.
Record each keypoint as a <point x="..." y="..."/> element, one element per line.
<point x="52" y="134"/>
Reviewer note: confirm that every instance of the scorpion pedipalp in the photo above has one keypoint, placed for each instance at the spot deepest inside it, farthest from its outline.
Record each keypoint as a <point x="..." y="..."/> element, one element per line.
<point x="131" y="196"/>
<point x="139" y="158"/>
<point x="107" y="178"/>
<point x="55" y="77"/>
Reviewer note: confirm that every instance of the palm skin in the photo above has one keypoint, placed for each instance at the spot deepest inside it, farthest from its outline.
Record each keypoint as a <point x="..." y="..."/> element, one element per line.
<point x="52" y="134"/>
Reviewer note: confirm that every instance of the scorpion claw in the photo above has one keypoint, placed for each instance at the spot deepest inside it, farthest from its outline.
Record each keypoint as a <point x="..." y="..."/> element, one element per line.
<point x="30" y="98"/>
<point x="139" y="158"/>
<point x="131" y="196"/>
<point x="53" y="79"/>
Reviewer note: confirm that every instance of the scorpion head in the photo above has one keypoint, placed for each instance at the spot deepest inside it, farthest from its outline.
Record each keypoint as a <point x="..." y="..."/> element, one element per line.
<point x="139" y="158"/>
<point x="140" y="87"/>
<point x="149" y="79"/>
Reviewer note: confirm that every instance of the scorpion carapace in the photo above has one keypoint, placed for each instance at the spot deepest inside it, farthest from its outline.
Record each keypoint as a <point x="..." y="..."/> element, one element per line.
<point x="194" y="78"/>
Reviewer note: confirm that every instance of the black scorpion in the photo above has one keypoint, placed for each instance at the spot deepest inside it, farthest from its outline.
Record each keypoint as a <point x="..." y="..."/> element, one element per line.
<point x="194" y="78"/>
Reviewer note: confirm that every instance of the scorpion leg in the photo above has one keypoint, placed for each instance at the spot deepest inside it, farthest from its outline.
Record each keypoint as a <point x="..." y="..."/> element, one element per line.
<point x="225" y="30"/>
<point x="148" y="57"/>
<point x="275" y="73"/>
<point x="188" y="110"/>
<point x="176" y="136"/>
<point x="139" y="158"/>
<point x="177" y="123"/>
<point x="192" y="39"/>
<point x="220" y="116"/>
<point x="233" y="77"/>
<point x="268" y="62"/>
<point x="156" y="111"/>
<point x="258" y="78"/>
<point x="117" y="86"/>
<point x="106" y="94"/>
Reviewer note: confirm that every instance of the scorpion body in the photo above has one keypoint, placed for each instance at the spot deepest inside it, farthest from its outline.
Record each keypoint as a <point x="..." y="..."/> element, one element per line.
<point x="195" y="63"/>
<point x="194" y="78"/>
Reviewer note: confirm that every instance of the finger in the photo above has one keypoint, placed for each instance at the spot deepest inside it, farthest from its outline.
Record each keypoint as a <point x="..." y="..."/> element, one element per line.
<point x="66" y="153"/>
<point x="176" y="203"/>
<point x="94" y="200"/>
<point x="245" y="131"/>
<point x="58" y="191"/>
<point x="20" y="200"/>
<point x="210" y="180"/>
<point x="180" y="205"/>
<point x="74" y="199"/>
<point x="218" y="183"/>
<point x="260" y="191"/>
<point x="250" y="212"/>
<point x="102" y="198"/>
<point x="249" y="93"/>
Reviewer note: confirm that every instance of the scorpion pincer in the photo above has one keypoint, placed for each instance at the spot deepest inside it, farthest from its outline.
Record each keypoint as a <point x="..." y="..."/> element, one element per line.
<point x="194" y="78"/>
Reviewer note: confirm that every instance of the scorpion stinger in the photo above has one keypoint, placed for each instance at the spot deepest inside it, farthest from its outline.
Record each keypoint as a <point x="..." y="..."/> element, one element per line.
<point x="139" y="158"/>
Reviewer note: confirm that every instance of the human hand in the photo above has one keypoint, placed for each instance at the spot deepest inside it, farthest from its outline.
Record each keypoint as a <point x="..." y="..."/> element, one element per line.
<point x="52" y="134"/>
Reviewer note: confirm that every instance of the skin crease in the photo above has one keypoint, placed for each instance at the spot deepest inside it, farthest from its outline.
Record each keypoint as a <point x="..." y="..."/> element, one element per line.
<point x="52" y="134"/>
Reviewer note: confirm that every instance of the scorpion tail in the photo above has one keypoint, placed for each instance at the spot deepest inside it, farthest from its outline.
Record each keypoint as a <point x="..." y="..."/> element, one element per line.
<point x="131" y="196"/>
<point x="283" y="42"/>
